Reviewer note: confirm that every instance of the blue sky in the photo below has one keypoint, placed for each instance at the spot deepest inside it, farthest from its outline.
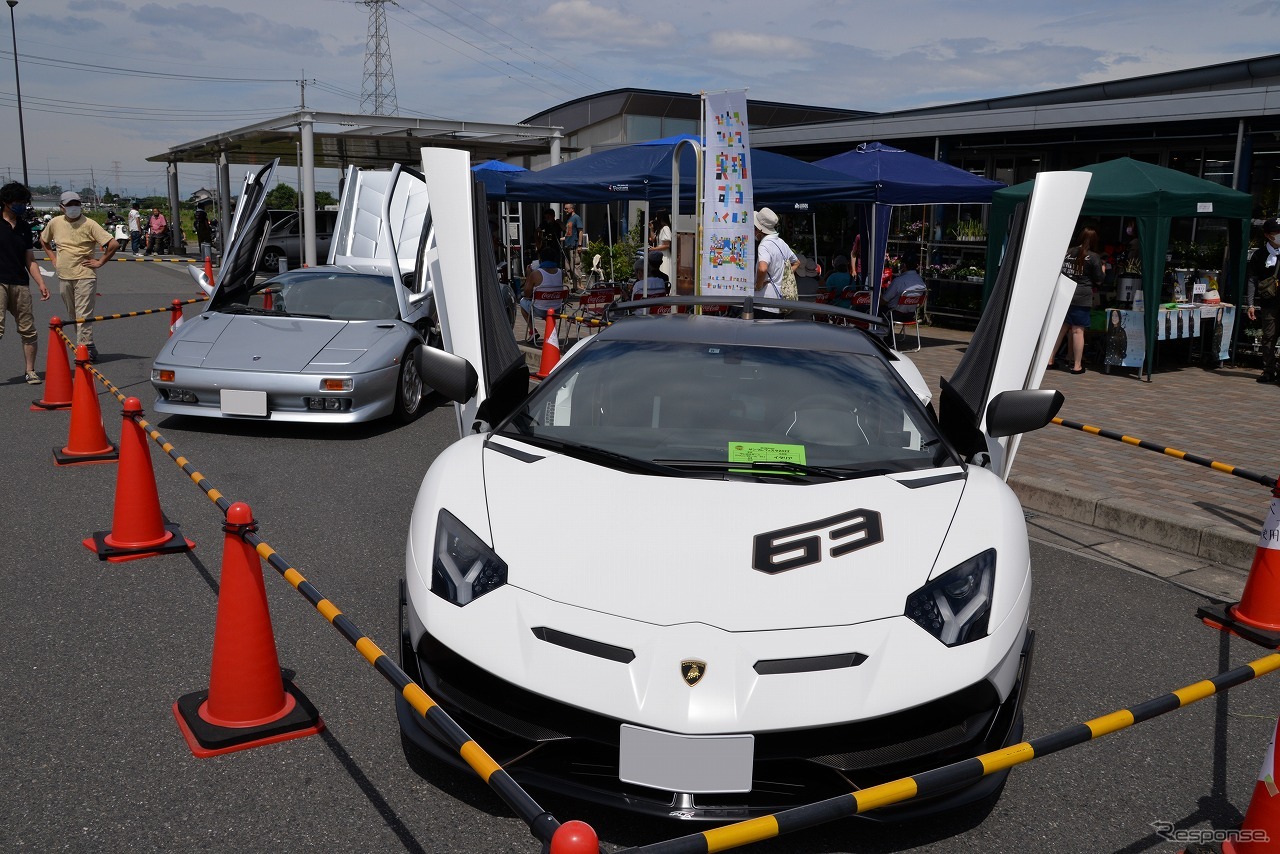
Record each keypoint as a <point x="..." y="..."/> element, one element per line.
<point x="106" y="84"/>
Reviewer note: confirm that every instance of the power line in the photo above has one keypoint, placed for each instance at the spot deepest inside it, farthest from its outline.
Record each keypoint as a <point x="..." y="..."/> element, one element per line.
<point x="131" y="72"/>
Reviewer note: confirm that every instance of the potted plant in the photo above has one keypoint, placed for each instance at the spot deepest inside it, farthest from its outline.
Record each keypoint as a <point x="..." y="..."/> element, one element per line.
<point x="1129" y="279"/>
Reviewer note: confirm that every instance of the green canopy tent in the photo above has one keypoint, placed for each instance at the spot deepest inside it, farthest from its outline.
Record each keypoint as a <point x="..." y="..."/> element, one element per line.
<point x="1152" y="195"/>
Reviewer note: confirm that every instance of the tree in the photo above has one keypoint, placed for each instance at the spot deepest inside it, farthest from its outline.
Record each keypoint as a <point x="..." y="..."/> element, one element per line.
<point x="282" y="197"/>
<point x="324" y="198"/>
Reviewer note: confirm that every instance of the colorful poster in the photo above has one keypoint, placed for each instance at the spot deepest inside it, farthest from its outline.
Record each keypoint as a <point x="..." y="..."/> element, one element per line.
<point x="729" y="255"/>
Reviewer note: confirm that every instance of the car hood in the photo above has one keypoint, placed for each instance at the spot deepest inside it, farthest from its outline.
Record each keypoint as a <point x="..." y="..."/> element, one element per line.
<point x="679" y="550"/>
<point x="255" y="342"/>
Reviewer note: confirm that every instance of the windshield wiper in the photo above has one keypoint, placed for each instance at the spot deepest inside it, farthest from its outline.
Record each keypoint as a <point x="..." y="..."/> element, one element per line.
<point x="590" y="453"/>
<point x="304" y="314"/>
<point x="777" y="468"/>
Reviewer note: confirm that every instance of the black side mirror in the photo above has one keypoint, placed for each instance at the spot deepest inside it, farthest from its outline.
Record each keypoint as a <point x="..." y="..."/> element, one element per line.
<point x="449" y="374"/>
<point x="1022" y="411"/>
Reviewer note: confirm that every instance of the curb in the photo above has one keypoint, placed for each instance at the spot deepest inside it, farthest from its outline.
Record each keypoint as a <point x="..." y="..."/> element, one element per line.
<point x="1219" y="544"/>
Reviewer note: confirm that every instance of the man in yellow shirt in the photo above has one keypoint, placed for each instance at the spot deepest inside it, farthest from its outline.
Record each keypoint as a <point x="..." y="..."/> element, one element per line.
<point x="70" y="240"/>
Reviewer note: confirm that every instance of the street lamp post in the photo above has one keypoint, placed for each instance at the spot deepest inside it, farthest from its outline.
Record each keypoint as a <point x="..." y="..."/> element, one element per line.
<point x="22" y="134"/>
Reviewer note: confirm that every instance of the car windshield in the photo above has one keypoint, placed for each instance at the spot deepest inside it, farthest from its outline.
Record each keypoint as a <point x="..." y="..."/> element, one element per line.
<point x="333" y="294"/>
<point x="727" y="410"/>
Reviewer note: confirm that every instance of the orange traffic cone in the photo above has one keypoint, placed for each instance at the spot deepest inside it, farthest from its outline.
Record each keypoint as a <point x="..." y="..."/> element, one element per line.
<point x="1256" y="617"/>
<point x="249" y="702"/>
<point x="87" y="441"/>
<point x="1261" y="827"/>
<point x="575" y="837"/>
<point x="57" y="372"/>
<point x="137" y="527"/>
<point x="550" y="348"/>
<point x="175" y="317"/>
<point x="208" y="269"/>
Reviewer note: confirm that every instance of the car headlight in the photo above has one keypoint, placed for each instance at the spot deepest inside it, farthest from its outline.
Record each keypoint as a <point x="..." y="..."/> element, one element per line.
<point x="463" y="568"/>
<point x="956" y="606"/>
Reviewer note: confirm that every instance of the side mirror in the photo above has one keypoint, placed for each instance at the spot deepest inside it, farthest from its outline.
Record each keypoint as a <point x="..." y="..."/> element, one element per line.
<point x="449" y="374"/>
<point x="1022" y="411"/>
<point x="202" y="279"/>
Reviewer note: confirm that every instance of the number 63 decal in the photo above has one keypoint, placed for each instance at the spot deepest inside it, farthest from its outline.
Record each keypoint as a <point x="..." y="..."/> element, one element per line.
<point x="785" y="548"/>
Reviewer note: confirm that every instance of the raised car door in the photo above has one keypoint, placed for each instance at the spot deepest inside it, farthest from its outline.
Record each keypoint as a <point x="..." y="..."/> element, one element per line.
<point x="380" y="223"/>
<point x="1020" y="322"/>
<point x="456" y="253"/>
<point x="245" y="239"/>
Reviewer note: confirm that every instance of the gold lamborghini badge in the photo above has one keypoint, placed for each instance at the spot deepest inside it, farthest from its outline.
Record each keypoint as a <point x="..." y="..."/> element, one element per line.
<point x="692" y="670"/>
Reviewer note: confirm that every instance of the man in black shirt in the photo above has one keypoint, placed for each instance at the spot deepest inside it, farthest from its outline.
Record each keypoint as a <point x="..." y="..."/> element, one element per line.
<point x="549" y="232"/>
<point x="17" y="261"/>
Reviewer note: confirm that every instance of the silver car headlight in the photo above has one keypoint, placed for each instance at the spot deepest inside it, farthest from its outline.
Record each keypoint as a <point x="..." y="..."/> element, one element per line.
<point x="463" y="568"/>
<point x="956" y="606"/>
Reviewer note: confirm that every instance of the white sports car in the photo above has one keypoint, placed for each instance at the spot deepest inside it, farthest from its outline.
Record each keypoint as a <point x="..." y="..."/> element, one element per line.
<point x="714" y="567"/>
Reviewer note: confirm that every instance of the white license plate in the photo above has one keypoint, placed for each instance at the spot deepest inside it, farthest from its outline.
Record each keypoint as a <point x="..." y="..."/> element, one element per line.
<point x="235" y="402"/>
<point x="695" y="764"/>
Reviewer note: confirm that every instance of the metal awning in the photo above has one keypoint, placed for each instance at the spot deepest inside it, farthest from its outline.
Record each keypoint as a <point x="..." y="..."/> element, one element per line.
<point x="352" y="139"/>
<point x="311" y="139"/>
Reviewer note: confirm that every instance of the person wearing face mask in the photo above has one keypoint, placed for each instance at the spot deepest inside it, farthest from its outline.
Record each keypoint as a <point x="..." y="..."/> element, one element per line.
<point x="17" y="262"/>
<point x="1261" y="294"/>
<point x="76" y="237"/>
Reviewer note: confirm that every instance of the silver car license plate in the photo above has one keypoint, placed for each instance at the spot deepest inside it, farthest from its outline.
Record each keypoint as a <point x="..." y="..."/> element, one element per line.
<point x="235" y="402"/>
<point x="685" y="763"/>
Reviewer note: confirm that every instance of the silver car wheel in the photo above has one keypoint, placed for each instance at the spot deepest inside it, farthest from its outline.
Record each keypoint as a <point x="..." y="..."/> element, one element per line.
<point x="410" y="390"/>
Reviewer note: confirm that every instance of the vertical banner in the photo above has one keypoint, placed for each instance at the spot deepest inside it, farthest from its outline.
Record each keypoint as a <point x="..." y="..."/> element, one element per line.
<point x="729" y="252"/>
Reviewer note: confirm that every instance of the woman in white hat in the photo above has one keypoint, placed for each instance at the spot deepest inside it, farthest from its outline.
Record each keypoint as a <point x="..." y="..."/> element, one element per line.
<point x="772" y="256"/>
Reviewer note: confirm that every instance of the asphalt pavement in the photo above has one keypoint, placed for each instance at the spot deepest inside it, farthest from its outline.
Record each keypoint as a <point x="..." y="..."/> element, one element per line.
<point x="95" y="654"/>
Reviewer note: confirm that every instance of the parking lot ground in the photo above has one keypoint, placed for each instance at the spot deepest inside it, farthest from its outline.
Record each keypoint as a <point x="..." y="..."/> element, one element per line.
<point x="96" y="653"/>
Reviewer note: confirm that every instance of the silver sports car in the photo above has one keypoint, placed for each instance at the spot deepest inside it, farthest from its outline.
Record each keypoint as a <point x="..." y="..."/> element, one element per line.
<point x="338" y="343"/>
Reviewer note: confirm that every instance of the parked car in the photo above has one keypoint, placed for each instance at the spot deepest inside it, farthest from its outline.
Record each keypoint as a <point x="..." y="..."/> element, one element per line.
<point x="340" y="343"/>
<point x="795" y="580"/>
<point x="284" y="240"/>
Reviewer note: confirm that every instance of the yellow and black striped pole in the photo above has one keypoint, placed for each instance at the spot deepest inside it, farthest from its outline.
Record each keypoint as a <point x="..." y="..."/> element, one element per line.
<point x="957" y="773"/>
<point x="140" y="313"/>
<point x="1268" y="482"/>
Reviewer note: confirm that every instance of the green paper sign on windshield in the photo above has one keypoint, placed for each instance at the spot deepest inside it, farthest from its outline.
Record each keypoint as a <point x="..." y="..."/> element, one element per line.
<point x="766" y="452"/>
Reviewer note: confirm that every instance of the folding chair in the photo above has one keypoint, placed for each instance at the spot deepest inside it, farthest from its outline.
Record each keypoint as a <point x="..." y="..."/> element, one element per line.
<point x="907" y="313"/>
<point x="549" y="298"/>
<point x="592" y="305"/>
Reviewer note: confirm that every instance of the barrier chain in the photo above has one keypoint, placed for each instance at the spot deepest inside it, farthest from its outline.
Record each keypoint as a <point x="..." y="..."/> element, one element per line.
<point x="125" y="314"/>
<point x="1268" y="482"/>
<point x="541" y="823"/>
<point x="957" y="773"/>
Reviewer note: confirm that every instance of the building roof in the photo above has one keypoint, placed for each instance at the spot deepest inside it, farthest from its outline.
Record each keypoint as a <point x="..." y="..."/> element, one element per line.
<point x="590" y="109"/>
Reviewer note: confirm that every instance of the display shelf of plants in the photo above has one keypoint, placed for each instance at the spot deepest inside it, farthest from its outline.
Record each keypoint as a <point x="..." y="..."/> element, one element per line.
<point x="954" y="267"/>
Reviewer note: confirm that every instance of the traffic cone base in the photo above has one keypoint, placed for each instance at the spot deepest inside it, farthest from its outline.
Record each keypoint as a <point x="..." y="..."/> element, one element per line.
<point x="172" y="543"/>
<point x="1223" y="618"/>
<point x="66" y="457"/>
<point x="298" y="718"/>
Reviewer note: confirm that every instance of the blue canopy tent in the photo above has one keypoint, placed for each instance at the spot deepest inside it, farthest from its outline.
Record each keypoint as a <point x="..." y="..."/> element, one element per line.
<point x="901" y="178"/>
<point x="494" y="174"/>
<point x="643" y="171"/>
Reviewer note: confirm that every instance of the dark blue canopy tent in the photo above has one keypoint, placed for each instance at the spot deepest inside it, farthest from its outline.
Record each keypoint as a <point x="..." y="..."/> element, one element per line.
<point x="643" y="171"/>
<point x="494" y="174"/>
<point x="901" y="178"/>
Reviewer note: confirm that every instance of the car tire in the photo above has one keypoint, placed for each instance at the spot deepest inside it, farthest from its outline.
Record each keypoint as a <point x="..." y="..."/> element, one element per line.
<point x="410" y="391"/>
<point x="271" y="258"/>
